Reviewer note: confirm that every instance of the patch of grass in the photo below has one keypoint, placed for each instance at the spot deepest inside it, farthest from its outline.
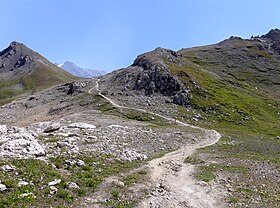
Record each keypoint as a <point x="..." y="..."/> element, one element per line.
<point x="120" y="204"/>
<point x="39" y="174"/>
<point x="139" y="116"/>
<point x="105" y="107"/>
<point x="145" y="117"/>
<point x="207" y="173"/>
<point x="232" y="200"/>
<point x="229" y="106"/>
<point x="136" y="177"/>
<point x="33" y="171"/>
<point x="53" y="140"/>
<point x="130" y="179"/>
<point x="248" y="149"/>
<point x="81" y="192"/>
<point x="115" y="194"/>
<point x="96" y="168"/>
<point x="10" y="183"/>
<point x="65" y="195"/>
<point x="194" y="160"/>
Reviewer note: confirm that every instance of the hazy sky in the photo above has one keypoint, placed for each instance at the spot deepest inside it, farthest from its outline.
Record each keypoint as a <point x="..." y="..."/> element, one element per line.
<point x="109" y="34"/>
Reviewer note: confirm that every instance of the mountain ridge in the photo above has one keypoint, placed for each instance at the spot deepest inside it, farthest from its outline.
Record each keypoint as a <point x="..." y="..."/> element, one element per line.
<point x="79" y="71"/>
<point x="165" y="103"/>
<point x="25" y="71"/>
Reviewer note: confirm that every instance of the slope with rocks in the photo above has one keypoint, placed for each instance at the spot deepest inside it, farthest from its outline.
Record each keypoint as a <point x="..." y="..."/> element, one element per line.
<point x="149" y="75"/>
<point x="253" y="61"/>
<point x="102" y="129"/>
<point x="232" y="86"/>
<point x="25" y="71"/>
<point x="86" y="141"/>
<point x="236" y="80"/>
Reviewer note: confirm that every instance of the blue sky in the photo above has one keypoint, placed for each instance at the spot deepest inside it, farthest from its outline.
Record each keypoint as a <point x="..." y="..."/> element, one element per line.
<point x="109" y="34"/>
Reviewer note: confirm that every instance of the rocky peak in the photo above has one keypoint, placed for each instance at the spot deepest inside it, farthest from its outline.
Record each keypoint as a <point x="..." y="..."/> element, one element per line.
<point x="273" y="35"/>
<point x="155" y="76"/>
<point x="232" y="40"/>
<point x="15" y="56"/>
<point x="156" y="58"/>
<point x="69" y="63"/>
<point x="16" y="45"/>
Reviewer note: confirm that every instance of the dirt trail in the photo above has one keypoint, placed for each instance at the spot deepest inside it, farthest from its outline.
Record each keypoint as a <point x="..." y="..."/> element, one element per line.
<point x="173" y="184"/>
<point x="171" y="178"/>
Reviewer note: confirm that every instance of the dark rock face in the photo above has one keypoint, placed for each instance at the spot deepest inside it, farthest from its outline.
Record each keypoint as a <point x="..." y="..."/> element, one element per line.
<point x="274" y="37"/>
<point x="74" y="88"/>
<point x="156" y="78"/>
<point x="16" y="56"/>
<point x="182" y="98"/>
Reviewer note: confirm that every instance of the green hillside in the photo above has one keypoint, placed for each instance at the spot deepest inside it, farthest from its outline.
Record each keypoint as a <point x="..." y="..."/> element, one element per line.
<point x="24" y="72"/>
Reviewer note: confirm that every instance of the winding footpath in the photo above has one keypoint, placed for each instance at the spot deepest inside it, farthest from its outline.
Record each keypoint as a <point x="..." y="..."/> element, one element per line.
<point x="171" y="179"/>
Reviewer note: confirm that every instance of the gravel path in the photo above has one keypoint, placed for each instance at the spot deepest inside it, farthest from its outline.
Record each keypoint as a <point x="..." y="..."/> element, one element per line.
<point x="172" y="181"/>
<point x="174" y="185"/>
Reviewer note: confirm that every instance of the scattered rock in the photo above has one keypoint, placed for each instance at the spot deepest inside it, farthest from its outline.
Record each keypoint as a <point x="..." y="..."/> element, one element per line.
<point x="81" y="125"/>
<point x="73" y="135"/>
<point x="22" y="183"/>
<point x="55" y="182"/>
<point x="53" y="190"/>
<point x="62" y="144"/>
<point x="2" y="188"/>
<point x="27" y="195"/>
<point x="116" y="126"/>
<point x="75" y="87"/>
<point x="80" y="163"/>
<point x="70" y="162"/>
<point x="3" y="128"/>
<point x="73" y="185"/>
<point x="52" y="127"/>
<point x="181" y="98"/>
<point x="131" y="155"/>
<point x="202" y="183"/>
<point x="118" y="183"/>
<point x="19" y="145"/>
<point x="8" y="168"/>
<point x="92" y="137"/>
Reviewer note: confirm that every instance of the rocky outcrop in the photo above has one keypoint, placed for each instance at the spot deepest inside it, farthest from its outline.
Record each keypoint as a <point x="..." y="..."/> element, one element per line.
<point x="75" y="87"/>
<point x="274" y="37"/>
<point x="156" y="80"/>
<point x="81" y="125"/>
<point x="155" y="76"/>
<point x="18" y="142"/>
<point x="52" y="127"/>
<point x="46" y="127"/>
<point x="132" y="155"/>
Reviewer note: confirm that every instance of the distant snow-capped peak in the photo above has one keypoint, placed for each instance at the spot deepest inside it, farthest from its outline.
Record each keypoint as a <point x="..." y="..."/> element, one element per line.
<point x="79" y="71"/>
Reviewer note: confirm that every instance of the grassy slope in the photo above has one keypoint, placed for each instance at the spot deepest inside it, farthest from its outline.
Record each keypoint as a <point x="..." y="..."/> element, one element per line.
<point x="40" y="173"/>
<point x="249" y="121"/>
<point x="42" y="78"/>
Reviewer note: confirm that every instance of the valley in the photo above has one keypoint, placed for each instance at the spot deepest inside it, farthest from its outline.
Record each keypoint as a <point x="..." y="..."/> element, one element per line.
<point x="194" y="128"/>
